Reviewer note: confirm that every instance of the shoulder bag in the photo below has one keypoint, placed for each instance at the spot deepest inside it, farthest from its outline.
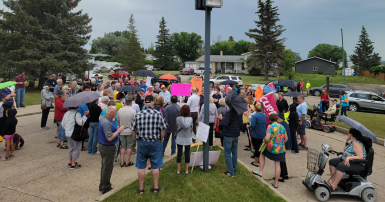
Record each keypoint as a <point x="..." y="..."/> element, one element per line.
<point x="44" y="106"/>
<point x="79" y="133"/>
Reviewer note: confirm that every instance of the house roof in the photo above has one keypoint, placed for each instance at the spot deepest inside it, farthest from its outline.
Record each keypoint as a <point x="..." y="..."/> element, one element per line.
<point x="223" y="58"/>
<point x="192" y="62"/>
<point x="316" y="58"/>
<point x="103" y="55"/>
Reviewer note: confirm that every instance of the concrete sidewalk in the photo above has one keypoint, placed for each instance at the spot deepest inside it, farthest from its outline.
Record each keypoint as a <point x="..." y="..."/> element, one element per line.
<point x="29" y="110"/>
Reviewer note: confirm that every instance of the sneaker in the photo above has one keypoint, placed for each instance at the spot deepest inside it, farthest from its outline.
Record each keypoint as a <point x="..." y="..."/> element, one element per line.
<point x="229" y="174"/>
<point x="97" y="152"/>
<point x="22" y="106"/>
<point x="45" y="128"/>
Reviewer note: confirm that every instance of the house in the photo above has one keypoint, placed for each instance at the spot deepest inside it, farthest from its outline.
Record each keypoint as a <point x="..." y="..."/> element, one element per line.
<point x="150" y="57"/>
<point x="224" y="63"/>
<point x="191" y="64"/>
<point x="315" y="65"/>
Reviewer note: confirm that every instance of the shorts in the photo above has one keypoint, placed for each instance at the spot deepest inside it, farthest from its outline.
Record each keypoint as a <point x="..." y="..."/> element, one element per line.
<point x="301" y="128"/>
<point x="127" y="142"/>
<point x="340" y="165"/>
<point x="149" y="150"/>
<point x="8" y="137"/>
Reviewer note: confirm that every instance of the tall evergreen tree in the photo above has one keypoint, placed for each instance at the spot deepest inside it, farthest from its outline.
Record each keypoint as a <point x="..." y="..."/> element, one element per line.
<point x="163" y="48"/>
<point x="267" y="52"/>
<point x="364" y="57"/>
<point x="132" y="57"/>
<point x="40" y="37"/>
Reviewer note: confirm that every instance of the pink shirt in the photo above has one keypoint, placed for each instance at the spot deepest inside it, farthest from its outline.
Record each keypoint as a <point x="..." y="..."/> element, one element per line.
<point x="149" y="93"/>
<point x="302" y="84"/>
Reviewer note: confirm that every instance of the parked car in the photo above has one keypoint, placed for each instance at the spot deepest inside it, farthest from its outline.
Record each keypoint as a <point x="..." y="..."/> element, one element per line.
<point x="226" y="77"/>
<point x="117" y="74"/>
<point x="102" y="69"/>
<point x="283" y="83"/>
<point x="334" y="89"/>
<point x="186" y="71"/>
<point x="199" y="71"/>
<point x="152" y="68"/>
<point x="365" y="100"/>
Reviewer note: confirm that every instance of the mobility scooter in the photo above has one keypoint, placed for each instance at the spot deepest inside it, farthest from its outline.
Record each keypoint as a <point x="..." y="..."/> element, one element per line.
<point x="352" y="183"/>
<point x="327" y="128"/>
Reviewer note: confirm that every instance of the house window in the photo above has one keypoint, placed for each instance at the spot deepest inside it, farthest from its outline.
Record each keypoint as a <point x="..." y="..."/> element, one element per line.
<point x="315" y="68"/>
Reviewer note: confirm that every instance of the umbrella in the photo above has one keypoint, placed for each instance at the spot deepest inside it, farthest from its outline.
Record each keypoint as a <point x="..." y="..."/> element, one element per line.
<point x="294" y="94"/>
<point x="228" y="82"/>
<point x="81" y="98"/>
<point x="357" y="125"/>
<point x="168" y="77"/>
<point x="7" y="84"/>
<point x="236" y="102"/>
<point x="268" y="89"/>
<point x="129" y="89"/>
<point x="144" y="73"/>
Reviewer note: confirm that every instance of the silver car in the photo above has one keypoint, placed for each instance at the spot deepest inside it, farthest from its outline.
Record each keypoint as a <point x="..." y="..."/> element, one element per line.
<point x="365" y="100"/>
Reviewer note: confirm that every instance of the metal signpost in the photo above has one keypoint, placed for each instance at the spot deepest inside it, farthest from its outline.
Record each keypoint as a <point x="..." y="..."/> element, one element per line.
<point x="207" y="6"/>
<point x="343" y="55"/>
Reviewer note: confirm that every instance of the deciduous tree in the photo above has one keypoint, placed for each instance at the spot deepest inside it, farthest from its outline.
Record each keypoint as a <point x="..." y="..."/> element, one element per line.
<point x="186" y="45"/>
<point x="108" y="44"/>
<point x="328" y="52"/>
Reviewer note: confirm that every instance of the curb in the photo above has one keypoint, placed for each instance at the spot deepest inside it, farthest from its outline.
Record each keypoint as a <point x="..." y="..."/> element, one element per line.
<point x="264" y="182"/>
<point x="32" y="113"/>
<point x="346" y="131"/>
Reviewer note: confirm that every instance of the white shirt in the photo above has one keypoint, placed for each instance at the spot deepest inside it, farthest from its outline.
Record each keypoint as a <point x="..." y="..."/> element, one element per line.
<point x="135" y="106"/>
<point x="193" y="102"/>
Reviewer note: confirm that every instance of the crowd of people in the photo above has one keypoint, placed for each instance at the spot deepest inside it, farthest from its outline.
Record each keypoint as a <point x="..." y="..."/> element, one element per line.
<point x="143" y="122"/>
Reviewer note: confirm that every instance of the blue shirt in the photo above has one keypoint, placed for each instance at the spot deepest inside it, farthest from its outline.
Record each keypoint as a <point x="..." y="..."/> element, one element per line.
<point x="116" y="117"/>
<point x="56" y="90"/>
<point x="258" y="126"/>
<point x="166" y="96"/>
<point x="343" y="103"/>
<point x="82" y="108"/>
<point x="143" y="87"/>
<point x="4" y="93"/>
<point x="106" y="129"/>
<point x="301" y="110"/>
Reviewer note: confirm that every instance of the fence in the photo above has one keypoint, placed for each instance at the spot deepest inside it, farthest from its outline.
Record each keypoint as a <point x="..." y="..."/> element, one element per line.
<point x="378" y="76"/>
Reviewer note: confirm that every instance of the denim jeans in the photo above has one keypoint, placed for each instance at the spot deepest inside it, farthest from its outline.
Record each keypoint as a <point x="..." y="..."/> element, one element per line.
<point x="61" y="134"/>
<point x="93" y="139"/>
<point x="20" y="96"/>
<point x="343" y="111"/>
<point x="173" y="143"/>
<point x="230" y="145"/>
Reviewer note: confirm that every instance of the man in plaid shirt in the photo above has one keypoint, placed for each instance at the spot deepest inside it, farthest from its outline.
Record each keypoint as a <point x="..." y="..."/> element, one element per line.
<point x="148" y="127"/>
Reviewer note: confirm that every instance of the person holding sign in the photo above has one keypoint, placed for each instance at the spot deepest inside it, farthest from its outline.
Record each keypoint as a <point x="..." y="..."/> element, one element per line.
<point x="232" y="123"/>
<point x="184" y="135"/>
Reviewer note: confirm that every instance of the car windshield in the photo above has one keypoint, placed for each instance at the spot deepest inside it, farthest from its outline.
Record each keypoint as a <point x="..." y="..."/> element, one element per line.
<point x="185" y="69"/>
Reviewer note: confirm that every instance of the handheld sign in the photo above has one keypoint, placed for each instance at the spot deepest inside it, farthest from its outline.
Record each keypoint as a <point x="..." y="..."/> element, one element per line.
<point x="148" y="83"/>
<point x="181" y="89"/>
<point x="269" y="105"/>
<point x="197" y="83"/>
<point x="203" y="132"/>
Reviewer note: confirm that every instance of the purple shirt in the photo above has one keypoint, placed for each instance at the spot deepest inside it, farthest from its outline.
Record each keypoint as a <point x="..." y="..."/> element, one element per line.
<point x="20" y="79"/>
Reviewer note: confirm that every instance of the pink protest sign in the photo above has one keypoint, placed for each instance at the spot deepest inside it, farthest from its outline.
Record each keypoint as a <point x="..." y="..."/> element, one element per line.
<point x="271" y="85"/>
<point x="227" y="89"/>
<point x="269" y="105"/>
<point x="181" y="89"/>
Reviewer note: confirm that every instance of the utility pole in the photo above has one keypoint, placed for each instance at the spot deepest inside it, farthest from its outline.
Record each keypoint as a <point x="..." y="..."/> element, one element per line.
<point x="343" y="55"/>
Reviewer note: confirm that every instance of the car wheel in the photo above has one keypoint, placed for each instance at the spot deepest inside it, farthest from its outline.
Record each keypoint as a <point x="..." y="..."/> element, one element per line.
<point x="353" y="107"/>
<point x="322" y="194"/>
<point x="317" y="93"/>
<point x="110" y="78"/>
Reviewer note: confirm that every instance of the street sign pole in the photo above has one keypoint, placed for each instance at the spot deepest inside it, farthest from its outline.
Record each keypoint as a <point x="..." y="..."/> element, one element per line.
<point x="343" y="55"/>
<point x="207" y="85"/>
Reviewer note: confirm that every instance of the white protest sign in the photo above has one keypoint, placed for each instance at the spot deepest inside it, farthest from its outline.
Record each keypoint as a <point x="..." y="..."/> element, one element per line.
<point x="203" y="132"/>
<point x="148" y="83"/>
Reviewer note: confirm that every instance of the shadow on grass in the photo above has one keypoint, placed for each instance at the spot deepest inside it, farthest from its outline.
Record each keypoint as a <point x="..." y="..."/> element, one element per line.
<point x="200" y="186"/>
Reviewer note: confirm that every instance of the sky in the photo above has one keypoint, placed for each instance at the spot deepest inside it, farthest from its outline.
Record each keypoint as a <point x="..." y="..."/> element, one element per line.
<point x="307" y="22"/>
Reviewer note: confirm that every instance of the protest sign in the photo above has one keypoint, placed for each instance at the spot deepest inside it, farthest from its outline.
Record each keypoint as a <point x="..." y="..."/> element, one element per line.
<point x="181" y="89"/>
<point x="203" y="132"/>
<point x="197" y="83"/>
<point x="258" y="93"/>
<point x="269" y="105"/>
<point x="271" y="85"/>
<point x="227" y="89"/>
<point x="148" y="83"/>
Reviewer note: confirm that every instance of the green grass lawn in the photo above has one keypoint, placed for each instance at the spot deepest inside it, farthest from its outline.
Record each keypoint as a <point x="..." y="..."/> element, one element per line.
<point x="200" y="186"/>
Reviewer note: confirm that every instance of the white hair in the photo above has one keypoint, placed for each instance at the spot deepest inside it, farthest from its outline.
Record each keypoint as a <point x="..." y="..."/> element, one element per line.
<point x="93" y="80"/>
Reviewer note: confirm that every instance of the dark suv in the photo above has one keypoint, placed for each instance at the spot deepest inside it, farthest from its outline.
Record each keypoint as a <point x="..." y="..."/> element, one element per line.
<point x="283" y="83"/>
<point x="334" y="89"/>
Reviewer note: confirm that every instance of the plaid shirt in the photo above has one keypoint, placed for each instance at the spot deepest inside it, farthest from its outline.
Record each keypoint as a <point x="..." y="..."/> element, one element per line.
<point x="148" y="124"/>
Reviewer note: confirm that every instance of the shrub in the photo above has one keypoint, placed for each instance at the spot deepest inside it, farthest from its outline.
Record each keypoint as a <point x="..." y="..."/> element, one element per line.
<point x="377" y="69"/>
<point x="254" y="71"/>
<point x="320" y="73"/>
<point x="290" y="74"/>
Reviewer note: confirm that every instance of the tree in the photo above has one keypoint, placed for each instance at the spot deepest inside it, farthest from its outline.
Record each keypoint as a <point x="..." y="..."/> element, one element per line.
<point x="328" y="52"/>
<point x="217" y="39"/>
<point x="230" y="47"/>
<point x="108" y="44"/>
<point x="364" y="56"/>
<point x="186" y="45"/>
<point x="40" y="37"/>
<point x="151" y="49"/>
<point x="267" y="52"/>
<point x="131" y="56"/>
<point x="163" y="49"/>
<point x="231" y="38"/>
<point x="289" y="60"/>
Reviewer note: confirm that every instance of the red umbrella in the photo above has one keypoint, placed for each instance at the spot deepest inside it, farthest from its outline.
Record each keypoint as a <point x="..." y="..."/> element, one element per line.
<point x="168" y="77"/>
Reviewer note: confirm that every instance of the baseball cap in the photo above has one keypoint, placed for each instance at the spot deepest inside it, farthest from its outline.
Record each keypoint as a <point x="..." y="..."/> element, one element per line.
<point x="281" y="115"/>
<point x="65" y="88"/>
<point x="334" y="100"/>
<point x="162" y="86"/>
<point x="148" y="99"/>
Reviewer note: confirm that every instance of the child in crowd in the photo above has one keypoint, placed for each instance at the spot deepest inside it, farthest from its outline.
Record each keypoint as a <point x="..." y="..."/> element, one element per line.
<point x="18" y="141"/>
<point x="8" y="132"/>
